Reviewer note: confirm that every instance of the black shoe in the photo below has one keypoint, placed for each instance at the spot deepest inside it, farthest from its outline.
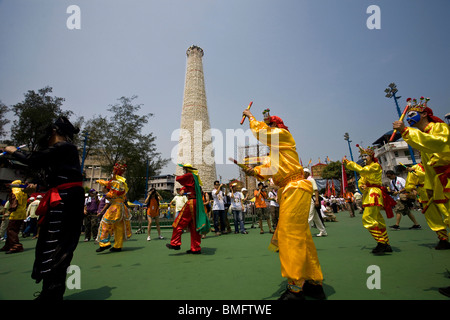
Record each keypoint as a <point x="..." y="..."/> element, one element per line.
<point x="395" y="227"/>
<point x="416" y="226"/>
<point x="445" y="291"/>
<point x="289" y="295"/>
<point x="102" y="248"/>
<point x="382" y="248"/>
<point x="314" y="290"/>
<point x="442" y="245"/>
<point x="115" y="249"/>
<point x="172" y="247"/>
<point x="194" y="252"/>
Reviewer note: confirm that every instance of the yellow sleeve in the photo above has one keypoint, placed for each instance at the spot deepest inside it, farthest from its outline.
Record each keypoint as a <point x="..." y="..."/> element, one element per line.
<point x="361" y="170"/>
<point x="271" y="136"/>
<point x="267" y="169"/>
<point x="362" y="183"/>
<point x="412" y="180"/>
<point x="437" y="142"/>
<point x="276" y="139"/>
<point x="103" y="183"/>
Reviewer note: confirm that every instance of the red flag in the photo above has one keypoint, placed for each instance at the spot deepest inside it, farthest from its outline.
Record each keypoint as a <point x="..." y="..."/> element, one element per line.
<point x="344" y="180"/>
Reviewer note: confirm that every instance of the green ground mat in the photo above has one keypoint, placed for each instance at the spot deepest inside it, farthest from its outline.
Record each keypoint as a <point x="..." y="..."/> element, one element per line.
<point x="240" y="267"/>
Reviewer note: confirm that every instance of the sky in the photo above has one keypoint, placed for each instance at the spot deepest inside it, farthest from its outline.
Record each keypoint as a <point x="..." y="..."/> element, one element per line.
<point x="314" y="63"/>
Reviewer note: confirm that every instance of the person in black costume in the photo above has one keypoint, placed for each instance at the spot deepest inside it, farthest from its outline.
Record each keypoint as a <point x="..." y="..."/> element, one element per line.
<point x="61" y="209"/>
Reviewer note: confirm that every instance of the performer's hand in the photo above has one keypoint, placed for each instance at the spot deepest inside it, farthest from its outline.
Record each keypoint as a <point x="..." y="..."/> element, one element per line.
<point x="30" y="188"/>
<point x="10" y="149"/>
<point x="249" y="171"/>
<point x="247" y="113"/>
<point x="398" y="125"/>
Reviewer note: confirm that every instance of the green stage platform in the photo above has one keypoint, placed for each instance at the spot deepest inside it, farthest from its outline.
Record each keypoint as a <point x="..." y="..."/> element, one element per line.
<point x="240" y="267"/>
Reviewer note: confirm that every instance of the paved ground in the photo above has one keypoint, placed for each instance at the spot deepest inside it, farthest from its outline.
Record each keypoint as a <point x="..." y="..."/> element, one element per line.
<point x="240" y="267"/>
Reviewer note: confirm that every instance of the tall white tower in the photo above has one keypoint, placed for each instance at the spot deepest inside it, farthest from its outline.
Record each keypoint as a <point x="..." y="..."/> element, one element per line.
<point x="195" y="142"/>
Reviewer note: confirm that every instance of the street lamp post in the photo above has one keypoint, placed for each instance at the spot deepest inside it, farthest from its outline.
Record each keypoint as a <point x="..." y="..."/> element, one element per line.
<point x="86" y="135"/>
<point x="347" y="138"/>
<point x="390" y="91"/>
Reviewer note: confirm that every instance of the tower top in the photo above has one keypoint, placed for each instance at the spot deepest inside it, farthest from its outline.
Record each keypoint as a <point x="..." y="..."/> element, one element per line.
<point x="193" y="49"/>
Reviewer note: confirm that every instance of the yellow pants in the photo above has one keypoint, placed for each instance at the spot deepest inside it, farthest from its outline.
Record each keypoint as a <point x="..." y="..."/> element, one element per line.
<point x="106" y="230"/>
<point x="437" y="219"/>
<point x="374" y="222"/>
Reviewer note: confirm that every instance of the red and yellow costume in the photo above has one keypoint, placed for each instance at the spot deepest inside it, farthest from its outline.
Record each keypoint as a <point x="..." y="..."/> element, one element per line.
<point x="190" y="216"/>
<point x="416" y="181"/>
<point x="374" y="197"/>
<point x="434" y="145"/>
<point x="116" y="220"/>
<point x="18" y="208"/>
<point x="292" y="238"/>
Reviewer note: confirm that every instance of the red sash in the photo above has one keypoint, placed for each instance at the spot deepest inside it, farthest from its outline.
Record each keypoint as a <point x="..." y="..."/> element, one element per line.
<point x="388" y="202"/>
<point x="444" y="175"/>
<point x="52" y="198"/>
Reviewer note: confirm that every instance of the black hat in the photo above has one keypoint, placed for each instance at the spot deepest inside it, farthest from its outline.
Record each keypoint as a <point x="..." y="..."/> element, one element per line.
<point x="64" y="127"/>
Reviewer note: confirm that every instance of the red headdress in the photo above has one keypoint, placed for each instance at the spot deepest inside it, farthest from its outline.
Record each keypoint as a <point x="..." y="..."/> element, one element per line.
<point x="273" y="119"/>
<point x="278" y="122"/>
<point x="119" y="169"/>
<point x="423" y="107"/>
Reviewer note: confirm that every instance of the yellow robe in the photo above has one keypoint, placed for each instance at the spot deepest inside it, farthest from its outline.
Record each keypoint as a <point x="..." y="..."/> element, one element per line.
<point x="370" y="175"/>
<point x="372" y="200"/>
<point x="297" y="252"/>
<point x="116" y="219"/>
<point x="434" y="146"/>
<point x="415" y="181"/>
<point x="21" y="212"/>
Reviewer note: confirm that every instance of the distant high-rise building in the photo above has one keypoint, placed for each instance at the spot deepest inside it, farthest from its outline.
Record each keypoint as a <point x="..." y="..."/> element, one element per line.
<point x="195" y="142"/>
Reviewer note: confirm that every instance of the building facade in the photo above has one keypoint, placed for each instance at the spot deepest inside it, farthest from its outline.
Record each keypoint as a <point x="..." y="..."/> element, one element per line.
<point x="162" y="182"/>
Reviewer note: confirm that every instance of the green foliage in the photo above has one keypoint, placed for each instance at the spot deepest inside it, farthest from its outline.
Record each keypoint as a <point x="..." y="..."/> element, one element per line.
<point x="3" y="121"/>
<point x="120" y="138"/>
<point x="334" y="171"/>
<point x="34" y="115"/>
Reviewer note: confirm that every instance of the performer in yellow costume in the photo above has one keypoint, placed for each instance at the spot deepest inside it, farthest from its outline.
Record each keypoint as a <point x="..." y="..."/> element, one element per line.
<point x="292" y="238"/>
<point x="415" y="182"/>
<point x="374" y="199"/>
<point x="18" y="208"/>
<point x="431" y="136"/>
<point x="116" y="220"/>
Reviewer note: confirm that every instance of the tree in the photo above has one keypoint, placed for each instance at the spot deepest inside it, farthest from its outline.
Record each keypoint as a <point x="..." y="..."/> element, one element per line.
<point x="120" y="138"/>
<point x="34" y="115"/>
<point x="332" y="170"/>
<point x="3" y="121"/>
